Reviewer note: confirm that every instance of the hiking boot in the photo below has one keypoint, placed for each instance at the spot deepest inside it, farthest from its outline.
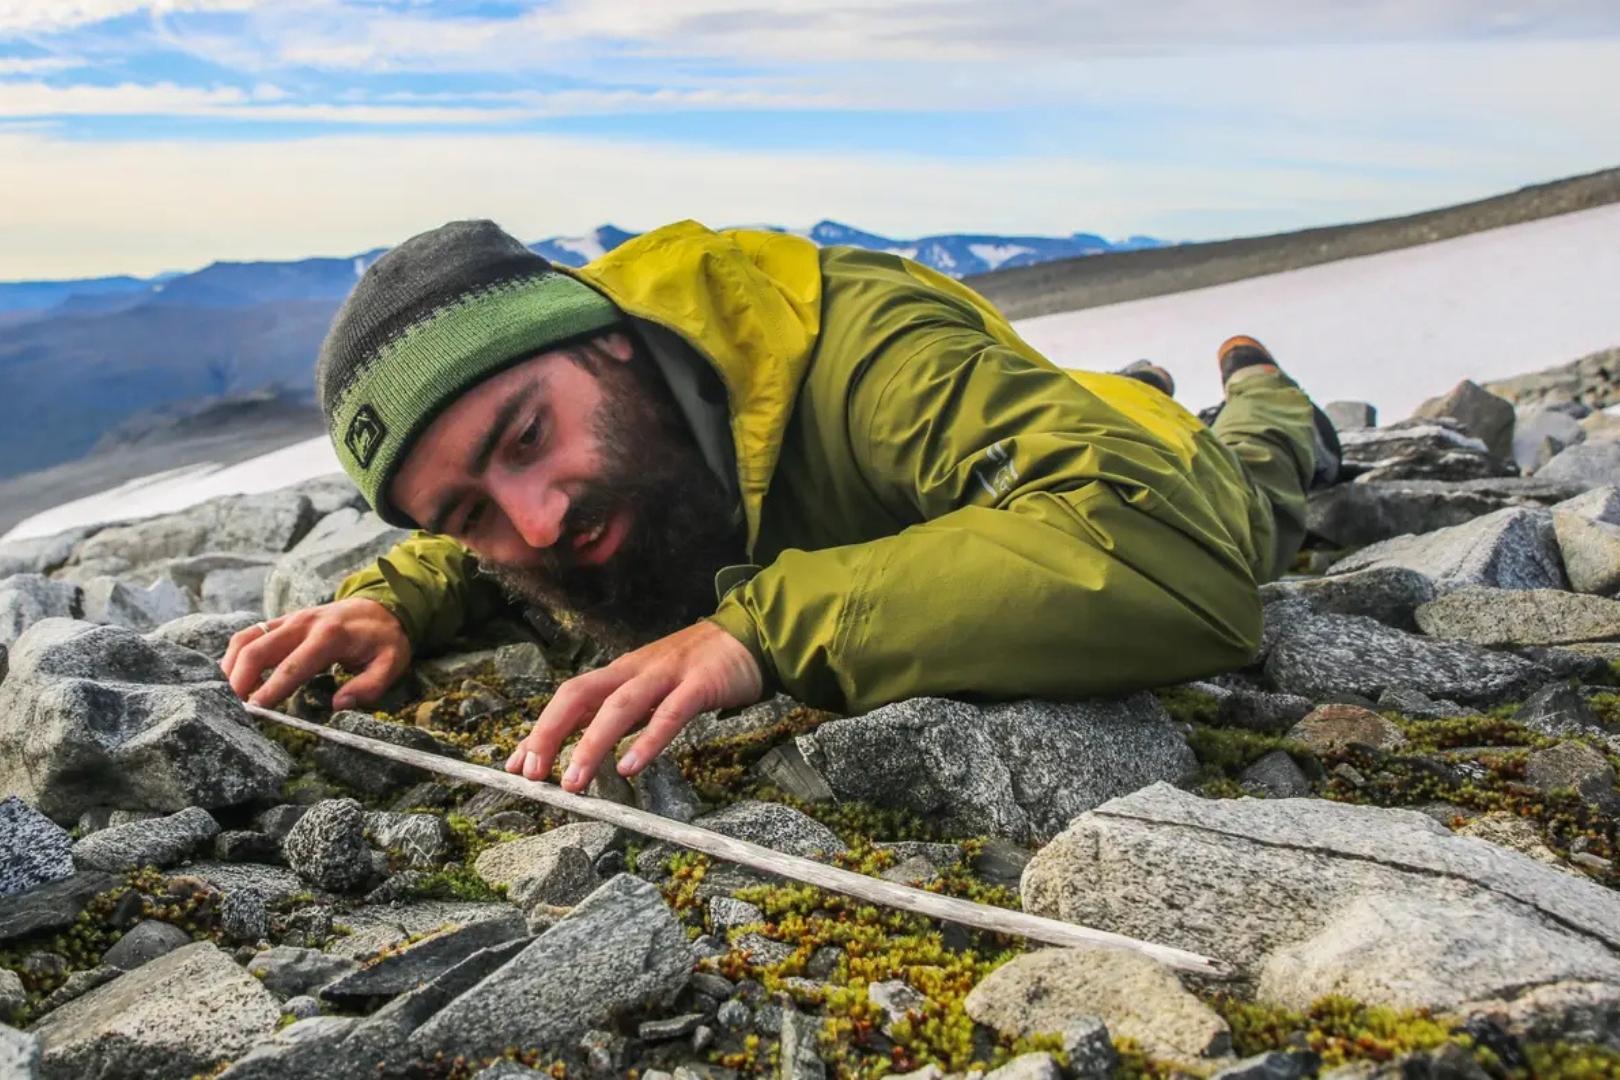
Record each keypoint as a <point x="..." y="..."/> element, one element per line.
<point x="1152" y="374"/>
<point x="1240" y="352"/>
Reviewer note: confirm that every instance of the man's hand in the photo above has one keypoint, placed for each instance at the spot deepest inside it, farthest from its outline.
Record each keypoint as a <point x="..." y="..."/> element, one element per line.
<point x="360" y="634"/>
<point x="663" y="684"/>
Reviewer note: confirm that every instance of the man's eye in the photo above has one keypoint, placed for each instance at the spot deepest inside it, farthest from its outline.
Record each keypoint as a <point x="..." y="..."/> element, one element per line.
<point x="530" y="436"/>
<point x="474" y="516"/>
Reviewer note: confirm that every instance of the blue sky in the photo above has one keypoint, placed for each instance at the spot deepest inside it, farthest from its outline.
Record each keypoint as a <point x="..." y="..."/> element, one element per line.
<point x="141" y="135"/>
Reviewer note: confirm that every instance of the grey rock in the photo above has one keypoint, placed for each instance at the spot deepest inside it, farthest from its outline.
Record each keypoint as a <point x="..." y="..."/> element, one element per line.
<point x="1481" y="413"/>
<point x="1576" y="766"/>
<point x="238" y="588"/>
<point x="328" y="845"/>
<point x="13" y="995"/>
<point x="1420" y="706"/>
<point x="301" y="1007"/>
<point x="246" y="845"/>
<point x="1325" y="655"/>
<point x="144" y="942"/>
<point x="1311" y="897"/>
<point x="661" y="789"/>
<point x="343" y="542"/>
<point x="311" y="1047"/>
<point x="775" y="826"/>
<point x="522" y="660"/>
<point x="1090" y="1049"/>
<point x="329" y="493"/>
<point x="1138" y="998"/>
<point x="40" y="554"/>
<point x="1276" y="777"/>
<point x="52" y="905"/>
<point x="268" y="522"/>
<point x="1510" y="549"/>
<point x="727" y="913"/>
<point x="763" y="951"/>
<point x="177" y="1015"/>
<point x="1351" y="415"/>
<point x="673" y="1027"/>
<point x="161" y="842"/>
<point x="367" y="772"/>
<point x="19" y="1054"/>
<point x="110" y="601"/>
<point x="424" y="840"/>
<point x="376" y="927"/>
<point x="784" y="767"/>
<point x="1591" y="552"/>
<point x="98" y="715"/>
<point x="422" y="961"/>
<point x="707" y="729"/>
<point x="288" y="972"/>
<point x="1390" y="594"/>
<point x="1540" y="434"/>
<point x="1332" y="727"/>
<point x="78" y="984"/>
<point x="1350" y="515"/>
<point x="34" y="850"/>
<point x="896" y="999"/>
<point x="1036" y="1066"/>
<point x="1273" y="1065"/>
<point x="1560" y="711"/>
<point x="1019" y="770"/>
<point x="624" y="949"/>
<point x="1257" y="710"/>
<point x="273" y="884"/>
<point x="26" y="599"/>
<point x="1417" y="450"/>
<point x="244" y="917"/>
<point x="1001" y="862"/>
<point x="278" y="821"/>
<point x="544" y="869"/>
<point x="1590" y="464"/>
<point x="207" y="633"/>
<point x="1589" y="379"/>
<point x="1600" y="504"/>
<point x="1520" y="617"/>
<point x="733" y="1015"/>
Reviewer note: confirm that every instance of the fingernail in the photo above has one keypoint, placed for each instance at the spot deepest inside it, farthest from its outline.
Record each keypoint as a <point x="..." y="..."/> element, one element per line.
<point x="571" y="777"/>
<point x="629" y="763"/>
<point x="512" y="762"/>
<point x="531" y="764"/>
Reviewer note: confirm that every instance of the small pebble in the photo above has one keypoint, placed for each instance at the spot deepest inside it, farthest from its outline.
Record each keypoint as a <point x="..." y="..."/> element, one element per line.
<point x="733" y="1015"/>
<point x="301" y="1007"/>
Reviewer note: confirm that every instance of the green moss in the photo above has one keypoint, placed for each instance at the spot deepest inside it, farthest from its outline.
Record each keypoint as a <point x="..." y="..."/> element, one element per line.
<point x="457" y="880"/>
<point x="1565" y="1061"/>
<point x="1189" y="706"/>
<point x="1496" y="728"/>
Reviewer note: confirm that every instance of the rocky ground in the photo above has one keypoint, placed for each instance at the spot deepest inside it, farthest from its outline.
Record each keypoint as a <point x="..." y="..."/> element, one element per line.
<point x="1397" y="826"/>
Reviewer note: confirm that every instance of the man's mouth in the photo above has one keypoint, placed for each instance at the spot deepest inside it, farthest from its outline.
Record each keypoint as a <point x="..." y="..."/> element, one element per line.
<point x="597" y="544"/>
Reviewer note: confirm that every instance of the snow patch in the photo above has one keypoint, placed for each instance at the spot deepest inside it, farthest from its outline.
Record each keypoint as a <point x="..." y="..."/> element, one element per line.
<point x="996" y="254"/>
<point x="586" y="247"/>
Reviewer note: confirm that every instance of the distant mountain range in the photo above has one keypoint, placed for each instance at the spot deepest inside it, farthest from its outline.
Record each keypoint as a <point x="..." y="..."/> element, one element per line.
<point x="78" y="358"/>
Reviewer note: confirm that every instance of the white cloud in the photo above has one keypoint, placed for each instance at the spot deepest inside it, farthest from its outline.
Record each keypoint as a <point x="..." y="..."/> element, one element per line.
<point x="36" y="65"/>
<point x="47" y="16"/>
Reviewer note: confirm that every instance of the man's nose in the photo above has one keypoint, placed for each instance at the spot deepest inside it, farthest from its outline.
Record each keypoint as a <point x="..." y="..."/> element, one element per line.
<point x="536" y="512"/>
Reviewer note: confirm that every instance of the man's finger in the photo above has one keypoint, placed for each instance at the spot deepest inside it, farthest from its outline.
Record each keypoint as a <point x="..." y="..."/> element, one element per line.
<point x="672" y="714"/>
<point x="570" y="707"/>
<point x="266" y="651"/>
<point x="371" y="683"/>
<point x="625" y="708"/>
<point x="305" y="662"/>
<point x="243" y="638"/>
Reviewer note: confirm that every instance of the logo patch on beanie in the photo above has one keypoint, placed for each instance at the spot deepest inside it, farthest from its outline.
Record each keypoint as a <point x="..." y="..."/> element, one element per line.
<point x="366" y="433"/>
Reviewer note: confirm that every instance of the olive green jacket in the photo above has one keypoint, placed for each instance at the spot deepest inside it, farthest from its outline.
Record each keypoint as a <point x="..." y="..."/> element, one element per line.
<point x="932" y="506"/>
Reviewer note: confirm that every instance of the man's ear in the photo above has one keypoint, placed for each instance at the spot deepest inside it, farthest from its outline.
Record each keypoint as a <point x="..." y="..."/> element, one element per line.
<point x="617" y="345"/>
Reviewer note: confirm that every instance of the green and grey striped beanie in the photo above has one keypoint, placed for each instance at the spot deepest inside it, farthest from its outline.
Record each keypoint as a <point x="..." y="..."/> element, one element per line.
<point x="434" y="316"/>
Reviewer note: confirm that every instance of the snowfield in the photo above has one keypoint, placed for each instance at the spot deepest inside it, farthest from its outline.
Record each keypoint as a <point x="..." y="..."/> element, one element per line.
<point x="1392" y="329"/>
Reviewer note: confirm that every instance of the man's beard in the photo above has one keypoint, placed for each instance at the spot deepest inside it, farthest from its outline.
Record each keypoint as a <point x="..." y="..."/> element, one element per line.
<point x="682" y="528"/>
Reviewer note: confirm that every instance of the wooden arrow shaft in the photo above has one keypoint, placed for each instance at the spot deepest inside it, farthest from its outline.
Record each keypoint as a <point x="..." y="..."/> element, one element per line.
<point x="757" y="857"/>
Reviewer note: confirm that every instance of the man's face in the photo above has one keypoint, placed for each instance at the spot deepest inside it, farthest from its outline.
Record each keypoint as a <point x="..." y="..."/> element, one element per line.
<point x="575" y="479"/>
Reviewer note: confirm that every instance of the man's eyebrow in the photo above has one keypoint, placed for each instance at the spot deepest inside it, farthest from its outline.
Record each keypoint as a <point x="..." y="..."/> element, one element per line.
<point x="486" y="449"/>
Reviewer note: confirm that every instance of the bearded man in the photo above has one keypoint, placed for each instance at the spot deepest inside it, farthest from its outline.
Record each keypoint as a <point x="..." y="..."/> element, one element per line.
<point x="757" y="465"/>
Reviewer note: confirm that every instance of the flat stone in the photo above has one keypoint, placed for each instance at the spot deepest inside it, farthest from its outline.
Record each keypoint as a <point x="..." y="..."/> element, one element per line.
<point x="1510" y="549"/>
<point x="1351" y="515"/>
<point x="343" y="542"/>
<point x="270" y="521"/>
<point x="287" y="971"/>
<point x="1019" y="770"/>
<point x="1275" y="776"/>
<point x="375" y="927"/>
<point x="206" y="632"/>
<point x="785" y="768"/>
<point x="144" y="942"/>
<point x="1420" y="706"/>
<point x="1036" y="1066"/>
<point x="662" y="789"/>
<point x="1138" y="998"/>
<point x="97" y="715"/>
<point x="1513" y="832"/>
<point x="308" y="1048"/>
<point x="1600" y="504"/>
<point x="1351" y="415"/>
<point x="177" y="1015"/>
<point x="1327" y="655"/>
<point x="1591" y="551"/>
<point x="1576" y="766"/>
<point x="1481" y="413"/>
<point x="1333" y="727"/>
<point x="424" y="840"/>
<point x="161" y="842"/>
<point x="367" y="772"/>
<point x="19" y="1054"/>
<point x="1540" y="434"/>
<point x="553" y="867"/>
<point x="624" y="950"/>
<point x="422" y="961"/>
<point x="272" y="884"/>
<point x="328" y="845"/>
<point x="727" y="913"/>
<point x="1311" y="897"/>
<point x="1390" y="594"/>
<point x="1589" y="464"/>
<point x="1419" y="450"/>
<point x="34" y="850"/>
<point x="1520" y="617"/>
<point x="52" y="905"/>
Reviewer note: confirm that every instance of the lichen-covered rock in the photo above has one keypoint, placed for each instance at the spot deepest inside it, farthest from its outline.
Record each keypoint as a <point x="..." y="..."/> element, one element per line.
<point x="1578" y="767"/>
<point x="1312" y="897"/>
<point x="308" y="1048"/>
<point x="1019" y="770"/>
<point x="1332" y="727"/>
<point x="423" y="840"/>
<point x="177" y="1015"/>
<point x="205" y="632"/>
<point x="1589" y="464"/>
<point x="26" y="599"/>
<point x="1481" y="413"/>
<point x="1327" y="655"/>
<point x="1520" y="617"/>
<point x="1510" y="549"/>
<point x="515" y="863"/>
<point x="624" y="950"/>
<point x="160" y="842"/>
<point x="1591" y="551"/>
<point x="328" y="845"/>
<point x="423" y="960"/>
<point x="98" y="715"/>
<point x="340" y="544"/>
<point x="34" y="849"/>
<point x="287" y="971"/>
<point x="1389" y="594"/>
<point x="113" y="602"/>
<point x="1560" y="711"/>
<point x="1138" y="998"/>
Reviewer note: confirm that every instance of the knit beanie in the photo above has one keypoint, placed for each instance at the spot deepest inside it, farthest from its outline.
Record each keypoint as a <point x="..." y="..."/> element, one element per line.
<point x="430" y="319"/>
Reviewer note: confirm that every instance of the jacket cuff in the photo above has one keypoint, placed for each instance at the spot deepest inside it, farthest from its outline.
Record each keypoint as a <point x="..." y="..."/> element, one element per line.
<point x="734" y="619"/>
<point x="379" y="592"/>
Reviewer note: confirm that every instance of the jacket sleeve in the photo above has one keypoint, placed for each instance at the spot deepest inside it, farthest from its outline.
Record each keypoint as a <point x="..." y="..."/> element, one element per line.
<point x="1053" y="549"/>
<point x="432" y="586"/>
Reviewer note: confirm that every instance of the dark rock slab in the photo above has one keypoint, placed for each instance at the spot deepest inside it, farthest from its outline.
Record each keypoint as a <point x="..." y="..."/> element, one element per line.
<point x="1390" y="594"/>
<point x="1510" y="549"/>
<point x="425" y="960"/>
<point x="144" y="942"/>
<point x="1350" y="515"/>
<point x="53" y="905"/>
<point x="161" y="842"/>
